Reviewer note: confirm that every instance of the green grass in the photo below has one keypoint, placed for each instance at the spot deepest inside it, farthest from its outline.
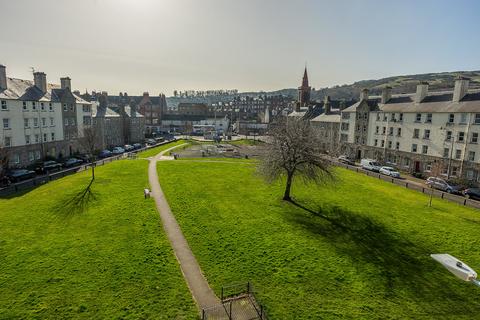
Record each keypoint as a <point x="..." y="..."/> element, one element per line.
<point x="109" y="261"/>
<point x="245" y="142"/>
<point x="225" y="159"/>
<point x="357" y="248"/>
<point x="156" y="150"/>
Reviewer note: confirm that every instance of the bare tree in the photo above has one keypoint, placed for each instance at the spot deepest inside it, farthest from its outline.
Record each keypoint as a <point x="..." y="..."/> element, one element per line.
<point x="89" y="142"/>
<point x="294" y="150"/>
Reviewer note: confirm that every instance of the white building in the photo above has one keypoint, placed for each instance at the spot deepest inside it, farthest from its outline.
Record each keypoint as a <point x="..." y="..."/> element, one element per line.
<point x="39" y="119"/>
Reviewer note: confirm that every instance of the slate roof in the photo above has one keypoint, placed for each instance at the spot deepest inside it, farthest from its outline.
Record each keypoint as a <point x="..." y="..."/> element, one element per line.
<point x="107" y="112"/>
<point x="332" y="117"/>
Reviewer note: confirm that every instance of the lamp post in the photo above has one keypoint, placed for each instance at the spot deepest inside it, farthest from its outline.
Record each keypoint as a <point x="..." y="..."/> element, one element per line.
<point x="458" y="268"/>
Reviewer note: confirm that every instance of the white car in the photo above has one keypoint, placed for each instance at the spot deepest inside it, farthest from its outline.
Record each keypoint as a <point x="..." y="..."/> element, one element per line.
<point x="389" y="171"/>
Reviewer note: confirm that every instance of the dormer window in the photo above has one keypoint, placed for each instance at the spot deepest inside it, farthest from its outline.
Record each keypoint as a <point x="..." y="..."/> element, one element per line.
<point x="50" y="106"/>
<point x="24" y="105"/>
<point x="34" y="105"/>
<point x="4" y="105"/>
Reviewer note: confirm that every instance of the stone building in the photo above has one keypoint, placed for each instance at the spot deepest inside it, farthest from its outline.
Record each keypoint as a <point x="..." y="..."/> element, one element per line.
<point x="327" y="125"/>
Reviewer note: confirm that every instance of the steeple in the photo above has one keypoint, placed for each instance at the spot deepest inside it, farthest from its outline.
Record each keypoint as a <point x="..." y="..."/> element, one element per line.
<point x="305" y="78"/>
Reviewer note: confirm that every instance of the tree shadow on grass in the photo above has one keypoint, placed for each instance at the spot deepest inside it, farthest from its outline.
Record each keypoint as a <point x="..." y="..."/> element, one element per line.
<point x="400" y="266"/>
<point x="76" y="203"/>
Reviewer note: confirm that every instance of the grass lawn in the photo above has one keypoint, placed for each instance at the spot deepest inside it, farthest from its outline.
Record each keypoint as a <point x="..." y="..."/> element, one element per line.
<point x="356" y="248"/>
<point x="154" y="151"/>
<point x="109" y="261"/>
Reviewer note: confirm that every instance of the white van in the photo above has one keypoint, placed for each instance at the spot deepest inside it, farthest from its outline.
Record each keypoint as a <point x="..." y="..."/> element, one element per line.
<point x="370" y="164"/>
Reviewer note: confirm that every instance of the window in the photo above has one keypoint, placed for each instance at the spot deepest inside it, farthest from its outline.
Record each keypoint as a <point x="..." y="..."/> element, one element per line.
<point x="392" y="117"/>
<point x="389" y="144"/>
<point x="418" y="117"/>
<point x="35" y="122"/>
<point x="400" y="118"/>
<point x="461" y="136"/>
<point x="31" y="156"/>
<point x="87" y="121"/>
<point x="44" y="137"/>
<point x="449" y="136"/>
<point x="424" y="149"/>
<point x="24" y="105"/>
<point x="429" y="118"/>
<point x="27" y="139"/>
<point x="66" y="121"/>
<point x="86" y="108"/>
<point x="446" y="152"/>
<point x="37" y="154"/>
<point x="42" y="106"/>
<point x="65" y="107"/>
<point x="426" y="134"/>
<point x="390" y="131"/>
<point x="364" y="128"/>
<point x="6" y="123"/>
<point x="477" y="118"/>
<point x="416" y="133"/>
<point x="44" y="122"/>
<point x="385" y="117"/>
<point x="474" y="137"/>
<point x="37" y="138"/>
<point x="406" y="162"/>
<point x="26" y="123"/>
<point x="4" y="105"/>
<point x="451" y="118"/>
<point x="378" y="116"/>
<point x="50" y="106"/>
<point x="377" y="129"/>
<point x="52" y="121"/>
<point x="345" y="115"/>
<point x="471" y="155"/>
<point x="8" y="141"/>
<point x="428" y="166"/>
<point x="383" y="143"/>
<point x="375" y="143"/>
<point x="34" y="105"/>
<point x="399" y="132"/>
<point x="16" y="158"/>
<point x="458" y="154"/>
<point x="470" y="174"/>
<point x="414" y="147"/>
<point x="384" y="130"/>
<point x="71" y="107"/>
<point x="454" y="171"/>
<point x="463" y="118"/>
<point x="397" y="145"/>
<point x="72" y="121"/>
<point x="53" y="136"/>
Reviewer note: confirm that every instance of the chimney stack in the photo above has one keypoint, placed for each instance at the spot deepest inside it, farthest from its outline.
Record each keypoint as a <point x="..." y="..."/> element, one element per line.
<point x="66" y="83"/>
<point x="461" y="88"/>
<point x="386" y="94"/>
<point x="327" y="105"/>
<point x="3" y="77"/>
<point x="422" y="91"/>
<point x="40" y="80"/>
<point x="364" y="95"/>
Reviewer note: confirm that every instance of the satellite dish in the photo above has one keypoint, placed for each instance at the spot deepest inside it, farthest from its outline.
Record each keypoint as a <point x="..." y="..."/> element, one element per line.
<point x="460" y="269"/>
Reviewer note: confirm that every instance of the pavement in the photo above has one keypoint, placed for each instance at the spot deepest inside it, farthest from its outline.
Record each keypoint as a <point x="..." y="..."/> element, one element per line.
<point x="198" y="285"/>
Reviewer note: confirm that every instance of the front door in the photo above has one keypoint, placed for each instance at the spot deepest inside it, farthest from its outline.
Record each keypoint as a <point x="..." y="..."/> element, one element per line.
<point x="417" y="166"/>
<point x="359" y="154"/>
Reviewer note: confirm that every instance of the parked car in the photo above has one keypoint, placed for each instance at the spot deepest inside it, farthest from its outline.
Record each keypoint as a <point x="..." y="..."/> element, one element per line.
<point x="444" y="185"/>
<point x="472" y="193"/>
<point x="72" y="162"/>
<point x="369" y="164"/>
<point x="128" y="147"/>
<point x="137" y="146"/>
<point x="20" y="174"/>
<point x="151" y="142"/>
<point x="47" y="166"/>
<point x="105" y="154"/>
<point x="118" y="150"/>
<point x="389" y="171"/>
<point x="346" y="160"/>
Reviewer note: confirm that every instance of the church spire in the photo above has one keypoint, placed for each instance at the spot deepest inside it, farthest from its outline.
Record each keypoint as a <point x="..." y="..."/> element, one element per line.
<point x="305" y="78"/>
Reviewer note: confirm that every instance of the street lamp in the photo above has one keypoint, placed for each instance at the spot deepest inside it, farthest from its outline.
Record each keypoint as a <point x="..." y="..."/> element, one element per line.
<point x="458" y="268"/>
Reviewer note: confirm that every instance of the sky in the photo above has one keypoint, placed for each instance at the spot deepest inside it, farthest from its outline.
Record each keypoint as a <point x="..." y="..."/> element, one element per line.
<point x="162" y="45"/>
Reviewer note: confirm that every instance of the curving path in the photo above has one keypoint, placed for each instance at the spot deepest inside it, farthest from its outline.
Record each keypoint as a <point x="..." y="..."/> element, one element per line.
<point x="198" y="285"/>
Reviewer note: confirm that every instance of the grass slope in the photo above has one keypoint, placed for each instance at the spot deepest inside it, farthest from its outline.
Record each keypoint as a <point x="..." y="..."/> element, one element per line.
<point x="110" y="261"/>
<point x="357" y="248"/>
<point x="154" y="151"/>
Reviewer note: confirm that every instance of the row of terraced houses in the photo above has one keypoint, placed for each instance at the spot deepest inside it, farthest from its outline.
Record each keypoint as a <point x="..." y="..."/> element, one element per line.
<point x="420" y="132"/>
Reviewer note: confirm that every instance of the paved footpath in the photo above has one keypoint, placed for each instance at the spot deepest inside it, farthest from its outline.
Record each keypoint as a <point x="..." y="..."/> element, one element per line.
<point x="201" y="291"/>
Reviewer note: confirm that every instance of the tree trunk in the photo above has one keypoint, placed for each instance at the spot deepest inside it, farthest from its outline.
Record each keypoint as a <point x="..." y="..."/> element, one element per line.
<point x="93" y="171"/>
<point x="286" y="195"/>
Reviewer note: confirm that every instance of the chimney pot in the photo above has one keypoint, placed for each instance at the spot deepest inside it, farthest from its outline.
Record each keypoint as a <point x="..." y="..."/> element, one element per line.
<point x="40" y="80"/>
<point x="3" y="77"/>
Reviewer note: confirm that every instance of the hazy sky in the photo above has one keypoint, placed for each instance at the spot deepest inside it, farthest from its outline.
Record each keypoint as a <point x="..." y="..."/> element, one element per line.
<point x="162" y="45"/>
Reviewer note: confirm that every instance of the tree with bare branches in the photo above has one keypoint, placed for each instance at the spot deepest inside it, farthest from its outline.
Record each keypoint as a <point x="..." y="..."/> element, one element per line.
<point x="89" y="142"/>
<point x="293" y="150"/>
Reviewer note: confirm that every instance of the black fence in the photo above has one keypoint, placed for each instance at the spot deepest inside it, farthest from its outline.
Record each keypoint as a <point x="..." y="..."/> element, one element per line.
<point x="40" y="180"/>
<point x="238" y="301"/>
<point x="415" y="186"/>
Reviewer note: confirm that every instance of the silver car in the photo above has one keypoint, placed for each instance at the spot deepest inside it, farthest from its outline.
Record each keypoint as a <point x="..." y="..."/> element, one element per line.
<point x="389" y="171"/>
